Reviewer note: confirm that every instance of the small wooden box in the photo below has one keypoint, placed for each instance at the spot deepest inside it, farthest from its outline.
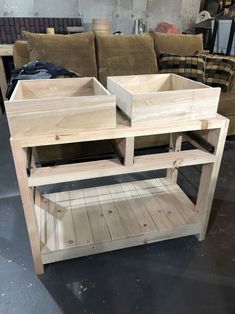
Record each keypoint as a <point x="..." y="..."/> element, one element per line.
<point x="163" y="97"/>
<point x="59" y="106"/>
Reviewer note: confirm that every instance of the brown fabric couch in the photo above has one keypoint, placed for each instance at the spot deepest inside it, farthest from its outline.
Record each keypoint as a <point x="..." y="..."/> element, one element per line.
<point x="119" y="55"/>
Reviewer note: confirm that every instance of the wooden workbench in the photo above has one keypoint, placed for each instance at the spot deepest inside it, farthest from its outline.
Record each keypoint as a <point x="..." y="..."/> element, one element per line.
<point x="99" y="219"/>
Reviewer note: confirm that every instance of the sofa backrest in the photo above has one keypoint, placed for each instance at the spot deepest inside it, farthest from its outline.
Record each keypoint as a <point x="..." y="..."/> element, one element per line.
<point x="177" y="44"/>
<point x="125" y="55"/>
<point x="116" y="55"/>
<point x="21" y="53"/>
<point x="75" y="52"/>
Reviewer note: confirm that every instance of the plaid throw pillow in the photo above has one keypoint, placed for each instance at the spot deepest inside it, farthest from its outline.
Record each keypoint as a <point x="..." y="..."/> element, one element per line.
<point x="189" y="67"/>
<point x="219" y="70"/>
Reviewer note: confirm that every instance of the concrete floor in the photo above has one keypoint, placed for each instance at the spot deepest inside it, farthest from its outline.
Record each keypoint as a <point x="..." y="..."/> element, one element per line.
<point x="176" y="276"/>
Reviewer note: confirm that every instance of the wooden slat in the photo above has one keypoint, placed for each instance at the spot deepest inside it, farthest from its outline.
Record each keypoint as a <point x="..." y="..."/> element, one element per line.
<point x="123" y="129"/>
<point x="97" y="220"/>
<point x="167" y="206"/>
<point x="75" y="194"/>
<point x="101" y="168"/>
<point x="81" y="222"/>
<point x="182" y="197"/>
<point x="155" y="210"/>
<point x="193" y="142"/>
<point x="127" y="215"/>
<point x="180" y="202"/>
<point x="48" y="232"/>
<point x="66" y="234"/>
<point x="114" y="223"/>
<point x="144" y="219"/>
<point x="161" y="235"/>
<point x="37" y="208"/>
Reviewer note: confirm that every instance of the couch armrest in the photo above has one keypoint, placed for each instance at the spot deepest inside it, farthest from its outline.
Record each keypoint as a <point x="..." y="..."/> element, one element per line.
<point x="232" y="83"/>
<point x="20" y="53"/>
<point x="210" y="56"/>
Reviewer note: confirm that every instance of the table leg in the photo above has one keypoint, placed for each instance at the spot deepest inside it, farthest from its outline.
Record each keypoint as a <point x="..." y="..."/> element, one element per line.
<point x="20" y="160"/>
<point x="175" y="146"/>
<point x="3" y="80"/>
<point x="126" y="147"/>
<point x="209" y="177"/>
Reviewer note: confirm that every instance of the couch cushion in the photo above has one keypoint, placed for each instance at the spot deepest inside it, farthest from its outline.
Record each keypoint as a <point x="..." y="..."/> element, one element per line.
<point x="227" y="104"/>
<point x="219" y="71"/>
<point x="232" y="83"/>
<point x="190" y="67"/>
<point x="20" y="53"/>
<point x="177" y="44"/>
<point x="74" y="52"/>
<point x="231" y="127"/>
<point x="227" y="109"/>
<point x="125" y="55"/>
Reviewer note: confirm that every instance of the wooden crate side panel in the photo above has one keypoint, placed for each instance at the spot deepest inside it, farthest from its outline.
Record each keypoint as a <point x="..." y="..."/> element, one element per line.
<point x="60" y="115"/>
<point x="17" y="92"/>
<point x="52" y="105"/>
<point x="61" y="87"/>
<point x="181" y="83"/>
<point x="124" y="97"/>
<point x="175" y="105"/>
<point x="99" y="88"/>
<point x="138" y="84"/>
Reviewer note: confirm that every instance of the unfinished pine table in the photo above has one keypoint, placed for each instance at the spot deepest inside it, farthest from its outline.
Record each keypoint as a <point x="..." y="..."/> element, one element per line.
<point x="88" y="221"/>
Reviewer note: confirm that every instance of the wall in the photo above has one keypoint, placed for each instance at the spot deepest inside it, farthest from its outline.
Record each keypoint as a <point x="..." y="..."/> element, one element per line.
<point x="189" y="13"/>
<point x="183" y="13"/>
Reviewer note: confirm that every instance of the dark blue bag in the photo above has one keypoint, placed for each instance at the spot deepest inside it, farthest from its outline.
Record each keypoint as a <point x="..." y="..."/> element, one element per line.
<point x="36" y="70"/>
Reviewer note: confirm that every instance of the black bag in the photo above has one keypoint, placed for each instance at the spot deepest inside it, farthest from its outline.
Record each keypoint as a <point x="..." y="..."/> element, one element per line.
<point x="37" y="70"/>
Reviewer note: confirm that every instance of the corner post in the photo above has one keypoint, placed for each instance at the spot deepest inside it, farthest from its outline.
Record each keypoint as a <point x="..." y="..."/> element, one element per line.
<point x="20" y="160"/>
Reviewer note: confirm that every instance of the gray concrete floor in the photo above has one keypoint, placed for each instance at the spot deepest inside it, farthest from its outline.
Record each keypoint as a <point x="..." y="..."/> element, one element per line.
<point x="176" y="276"/>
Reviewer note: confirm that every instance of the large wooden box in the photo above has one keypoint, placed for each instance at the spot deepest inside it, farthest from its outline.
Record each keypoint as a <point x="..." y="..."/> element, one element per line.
<point x="163" y="97"/>
<point x="59" y="106"/>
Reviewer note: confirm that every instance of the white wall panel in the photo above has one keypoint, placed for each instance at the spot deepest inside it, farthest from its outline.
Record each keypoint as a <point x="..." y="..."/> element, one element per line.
<point x="17" y="8"/>
<point x="122" y="13"/>
<point x="190" y="11"/>
<point x="56" y="8"/>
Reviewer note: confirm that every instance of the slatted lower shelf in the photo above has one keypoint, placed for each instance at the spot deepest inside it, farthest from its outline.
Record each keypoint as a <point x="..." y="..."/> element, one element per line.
<point x="95" y="220"/>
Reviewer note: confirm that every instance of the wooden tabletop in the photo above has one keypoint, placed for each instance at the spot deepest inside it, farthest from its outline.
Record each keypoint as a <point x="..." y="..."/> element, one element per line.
<point x="123" y="129"/>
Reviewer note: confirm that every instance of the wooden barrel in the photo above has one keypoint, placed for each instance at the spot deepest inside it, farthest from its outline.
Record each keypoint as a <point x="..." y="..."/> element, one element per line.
<point x="101" y="25"/>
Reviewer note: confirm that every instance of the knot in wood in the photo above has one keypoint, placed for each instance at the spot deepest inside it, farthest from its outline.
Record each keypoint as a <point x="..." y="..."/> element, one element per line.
<point x="177" y="162"/>
<point x="204" y="124"/>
